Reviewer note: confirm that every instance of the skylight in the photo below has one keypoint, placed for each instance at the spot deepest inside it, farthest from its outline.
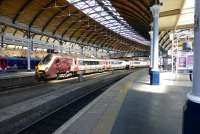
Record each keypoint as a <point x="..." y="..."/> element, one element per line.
<point x="107" y="15"/>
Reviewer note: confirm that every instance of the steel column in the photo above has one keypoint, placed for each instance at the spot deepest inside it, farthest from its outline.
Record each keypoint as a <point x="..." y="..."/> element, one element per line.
<point x="192" y="108"/>
<point x="155" y="74"/>
<point x="151" y="50"/>
<point x="29" y="51"/>
<point x="61" y="46"/>
<point x="2" y="35"/>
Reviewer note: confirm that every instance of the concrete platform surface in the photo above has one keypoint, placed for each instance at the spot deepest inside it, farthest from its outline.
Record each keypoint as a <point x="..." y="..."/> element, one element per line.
<point x="132" y="106"/>
<point x="14" y="80"/>
<point x="7" y="75"/>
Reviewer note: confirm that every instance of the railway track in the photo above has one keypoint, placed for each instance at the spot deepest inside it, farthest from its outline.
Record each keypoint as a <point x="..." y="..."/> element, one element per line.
<point x="34" y="83"/>
<point x="18" y="88"/>
<point x="18" y="95"/>
<point x="54" y="120"/>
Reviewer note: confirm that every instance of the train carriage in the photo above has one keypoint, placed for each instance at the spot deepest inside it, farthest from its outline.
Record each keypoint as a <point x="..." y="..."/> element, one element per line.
<point x="3" y="63"/>
<point x="54" y="65"/>
<point x="16" y="63"/>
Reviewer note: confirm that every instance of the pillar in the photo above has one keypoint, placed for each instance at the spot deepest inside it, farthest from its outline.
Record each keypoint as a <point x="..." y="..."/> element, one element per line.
<point x="151" y="48"/>
<point x="61" y="46"/>
<point x="2" y="35"/>
<point x="69" y="48"/>
<point x="171" y="36"/>
<point x="96" y="55"/>
<point x="155" y="74"/>
<point x="82" y="51"/>
<point x="80" y="76"/>
<point x="192" y="107"/>
<point x="29" y="52"/>
<point x="108" y="53"/>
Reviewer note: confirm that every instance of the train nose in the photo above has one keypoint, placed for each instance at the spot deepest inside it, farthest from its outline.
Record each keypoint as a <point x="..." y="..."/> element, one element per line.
<point x="40" y="75"/>
<point x="40" y="72"/>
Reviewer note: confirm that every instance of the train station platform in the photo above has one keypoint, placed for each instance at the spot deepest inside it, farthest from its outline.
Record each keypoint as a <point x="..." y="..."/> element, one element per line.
<point x="132" y="106"/>
<point x="11" y="80"/>
<point x="5" y="75"/>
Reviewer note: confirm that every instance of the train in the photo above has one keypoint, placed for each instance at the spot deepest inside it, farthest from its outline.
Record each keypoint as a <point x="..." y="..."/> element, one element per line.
<point x="16" y="63"/>
<point x="55" y="65"/>
<point x="138" y="63"/>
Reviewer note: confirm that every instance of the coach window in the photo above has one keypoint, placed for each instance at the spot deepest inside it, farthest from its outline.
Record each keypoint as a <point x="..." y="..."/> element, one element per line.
<point x="85" y="63"/>
<point x="47" y="58"/>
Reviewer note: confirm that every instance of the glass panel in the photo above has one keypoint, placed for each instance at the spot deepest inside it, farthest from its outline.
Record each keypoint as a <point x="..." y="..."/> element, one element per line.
<point x="101" y="14"/>
<point x="47" y="59"/>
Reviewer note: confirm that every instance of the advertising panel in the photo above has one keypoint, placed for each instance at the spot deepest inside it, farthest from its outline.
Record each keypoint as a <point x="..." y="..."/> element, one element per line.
<point x="184" y="61"/>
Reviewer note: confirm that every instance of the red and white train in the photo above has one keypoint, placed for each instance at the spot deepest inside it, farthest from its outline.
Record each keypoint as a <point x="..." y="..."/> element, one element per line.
<point x="54" y="65"/>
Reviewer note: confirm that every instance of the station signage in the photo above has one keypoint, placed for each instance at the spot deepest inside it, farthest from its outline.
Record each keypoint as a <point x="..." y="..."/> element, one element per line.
<point x="185" y="60"/>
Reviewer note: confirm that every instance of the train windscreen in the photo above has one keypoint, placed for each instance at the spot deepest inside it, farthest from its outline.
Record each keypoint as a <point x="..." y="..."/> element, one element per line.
<point x="47" y="59"/>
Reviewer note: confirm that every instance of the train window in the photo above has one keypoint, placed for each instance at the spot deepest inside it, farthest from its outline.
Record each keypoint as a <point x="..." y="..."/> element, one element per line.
<point x="89" y="62"/>
<point x="84" y="62"/>
<point x="47" y="59"/>
<point x="136" y="62"/>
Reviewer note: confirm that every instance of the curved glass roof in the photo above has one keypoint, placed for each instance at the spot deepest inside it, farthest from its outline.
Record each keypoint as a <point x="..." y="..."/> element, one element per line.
<point x="103" y="12"/>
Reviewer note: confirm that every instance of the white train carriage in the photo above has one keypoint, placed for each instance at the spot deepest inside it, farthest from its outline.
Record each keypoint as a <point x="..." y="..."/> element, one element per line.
<point x="91" y="65"/>
<point x="133" y="64"/>
<point x="118" y="64"/>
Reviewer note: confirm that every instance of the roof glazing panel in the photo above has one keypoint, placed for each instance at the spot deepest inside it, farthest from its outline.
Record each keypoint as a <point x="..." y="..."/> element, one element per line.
<point x="104" y="13"/>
